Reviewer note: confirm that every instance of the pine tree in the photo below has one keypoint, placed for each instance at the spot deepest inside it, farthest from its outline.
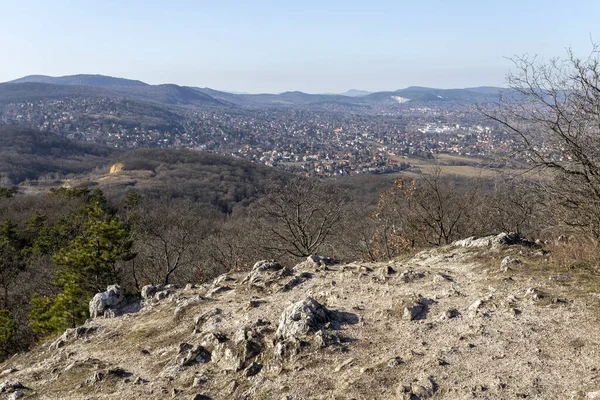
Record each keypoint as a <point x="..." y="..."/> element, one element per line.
<point x="89" y="262"/>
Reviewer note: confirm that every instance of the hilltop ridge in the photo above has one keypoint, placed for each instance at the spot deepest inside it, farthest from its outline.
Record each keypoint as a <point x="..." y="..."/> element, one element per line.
<point x="482" y="318"/>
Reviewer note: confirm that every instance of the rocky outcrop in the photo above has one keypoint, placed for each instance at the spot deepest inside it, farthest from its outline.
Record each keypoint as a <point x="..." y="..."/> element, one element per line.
<point x="502" y="239"/>
<point x="300" y="319"/>
<point x="106" y="304"/>
<point x="446" y="317"/>
<point x="264" y="273"/>
<point x="73" y="334"/>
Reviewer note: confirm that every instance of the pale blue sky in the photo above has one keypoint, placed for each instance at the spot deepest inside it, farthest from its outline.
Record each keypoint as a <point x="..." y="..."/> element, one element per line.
<point x="274" y="46"/>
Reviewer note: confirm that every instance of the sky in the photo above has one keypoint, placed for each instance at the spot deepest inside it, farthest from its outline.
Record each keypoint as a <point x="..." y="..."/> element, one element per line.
<point x="315" y="46"/>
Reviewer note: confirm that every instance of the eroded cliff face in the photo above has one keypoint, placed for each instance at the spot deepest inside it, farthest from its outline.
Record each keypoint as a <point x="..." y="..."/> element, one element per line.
<point x="459" y="322"/>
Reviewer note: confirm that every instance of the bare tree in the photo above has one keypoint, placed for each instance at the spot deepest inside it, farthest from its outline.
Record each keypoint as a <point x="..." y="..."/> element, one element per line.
<point x="429" y="211"/>
<point x="553" y="113"/>
<point x="297" y="219"/>
<point x="169" y="239"/>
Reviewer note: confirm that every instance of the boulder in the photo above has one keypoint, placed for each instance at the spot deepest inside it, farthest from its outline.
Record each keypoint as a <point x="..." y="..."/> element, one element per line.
<point x="296" y="280"/>
<point x="10" y="386"/>
<point x="149" y="291"/>
<point x="300" y="319"/>
<point x="106" y="301"/>
<point x="502" y="239"/>
<point x="236" y="354"/>
<point x="413" y="311"/>
<point x="410" y="275"/>
<point x="264" y="273"/>
<point x="417" y="310"/>
<point x="190" y="354"/>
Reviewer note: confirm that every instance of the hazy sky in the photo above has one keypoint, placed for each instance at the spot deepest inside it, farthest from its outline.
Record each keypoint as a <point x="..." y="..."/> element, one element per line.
<point x="274" y="46"/>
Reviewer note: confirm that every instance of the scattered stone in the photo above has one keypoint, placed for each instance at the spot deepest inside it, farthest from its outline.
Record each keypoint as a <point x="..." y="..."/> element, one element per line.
<point x="231" y="387"/>
<point x="118" y="372"/>
<point x="172" y="286"/>
<point x="534" y="293"/>
<point x="222" y="278"/>
<point x="449" y="314"/>
<point x="441" y="278"/>
<point x="344" y="364"/>
<point x="412" y="312"/>
<point x="417" y="310"/>
<point x="201" y="397"/>
<point x="11" y="386"/>
<point x="7" y="372"/>
<point x="183" y="306"/>
<point x="199" y="380"/>
<point x="218" y="290"/>
<point x="73" y="334"/>
<point x="253" y="369"/>
<point x="105" y="301"/>
<point x="507" y="262"/>
<point x="189" y="287"/>
<point x="190" y="354"/>
<point x="295" y="281"/>
<point x="394" y="362"/>
<point x="314" y="263"/>
<point x="204" y="317"/>
<point x="424" y="388"/>
<point x="410" y="275"/>
<point x="17" y="394"/>
<point x="163" y="294"/>
<point x="474" y="309"/>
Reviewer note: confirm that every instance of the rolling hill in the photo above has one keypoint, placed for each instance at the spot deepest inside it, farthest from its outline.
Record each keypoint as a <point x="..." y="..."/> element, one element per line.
<point x="30" y="154"/>
<point x="41" y="87"/>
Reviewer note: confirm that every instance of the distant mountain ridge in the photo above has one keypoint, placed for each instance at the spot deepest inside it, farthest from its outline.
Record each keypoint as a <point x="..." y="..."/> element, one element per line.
<point x="355" y="93"/>
<point x="40" y="86"/>
<point x="80" y="80"/>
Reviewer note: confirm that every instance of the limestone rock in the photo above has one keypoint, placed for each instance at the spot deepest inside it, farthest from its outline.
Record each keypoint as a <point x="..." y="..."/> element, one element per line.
<point x="264" y="273"/>
<point x="73" y="334"/>
<point x="424" y="388"/>
<point x="17" y="394"/>
<point x="11" y="386"/>
<point x="502" y="239"/>
<point x="508" y="261"/>
<point x="184" y="305"/>
<point x="105" y="301"/>
<point x="301" y="318"/>
<point x="295" y="281"/>
<point x="410" y="275"/>
<point x="314" y="263"/>
<point x="416" y="310"/>
<point x="204" y="317"/>
<point x="190" y="354"/>
<point x="412" y="312"/>
<point x="474" y="309"/>
<point x="149" y="291"/>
